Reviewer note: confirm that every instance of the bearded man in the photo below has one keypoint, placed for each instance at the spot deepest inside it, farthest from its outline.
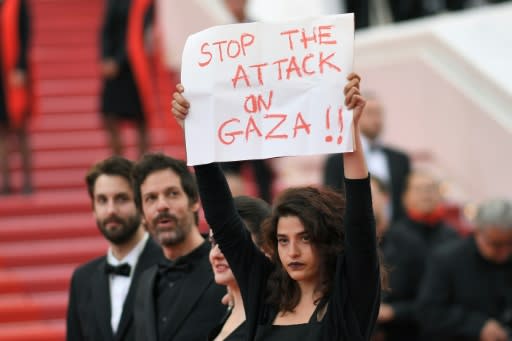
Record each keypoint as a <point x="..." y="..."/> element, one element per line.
<point x="177" y="299"/>
<point x="102" y="293"/>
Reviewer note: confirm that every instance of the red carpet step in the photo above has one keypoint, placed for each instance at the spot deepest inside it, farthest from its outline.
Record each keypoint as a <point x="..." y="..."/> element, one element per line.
<point x="32" y="331"/>
<point x="40" y="279"/>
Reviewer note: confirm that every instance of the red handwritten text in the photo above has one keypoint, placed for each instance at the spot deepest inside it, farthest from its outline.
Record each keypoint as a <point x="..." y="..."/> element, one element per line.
<point x="321" y="35"/>
<point x="254" y="104"/>
<point x="285" y="68"/>
<point x="234" y="127"/>
<point x="226" y="48"/>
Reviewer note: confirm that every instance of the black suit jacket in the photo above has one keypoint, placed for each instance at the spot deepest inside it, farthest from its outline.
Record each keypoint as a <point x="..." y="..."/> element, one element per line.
<point x="461" y="291"/>
<point x="199" y="306"/>
<point x="89" y="313"/>
<point x="399" y="168"/>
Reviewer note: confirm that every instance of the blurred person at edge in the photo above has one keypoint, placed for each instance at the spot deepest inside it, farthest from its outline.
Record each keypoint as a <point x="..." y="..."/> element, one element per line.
<point x="126" y="91"/>
<point x="408" y="245"/>
<point x="15" y="88"/>
<point x="424" y="211"/>
<point x="396" y="320"/>
<point x="467" y="290"/>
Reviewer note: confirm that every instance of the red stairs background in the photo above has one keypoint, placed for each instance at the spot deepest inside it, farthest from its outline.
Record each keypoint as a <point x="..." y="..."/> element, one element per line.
<point x="44" y="236"/>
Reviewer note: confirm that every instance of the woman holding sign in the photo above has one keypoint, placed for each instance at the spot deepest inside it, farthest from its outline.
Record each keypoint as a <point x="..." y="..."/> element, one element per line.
<point x="322" y="282"/>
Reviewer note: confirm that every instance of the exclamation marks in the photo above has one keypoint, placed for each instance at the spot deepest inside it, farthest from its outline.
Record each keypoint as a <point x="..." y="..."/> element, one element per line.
<point x="339" y="119"/>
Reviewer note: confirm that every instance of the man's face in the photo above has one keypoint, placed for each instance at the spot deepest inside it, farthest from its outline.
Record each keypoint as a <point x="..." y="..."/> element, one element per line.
<point x="494" y="244"/>
<point x="422" y="193"/>
<point x="371" y="121"/>
<point x="114" y="208"/>
<point x="168" y="212"/>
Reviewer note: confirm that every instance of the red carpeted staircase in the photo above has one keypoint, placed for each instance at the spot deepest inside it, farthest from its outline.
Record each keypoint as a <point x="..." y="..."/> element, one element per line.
<point x="44" y="236"/>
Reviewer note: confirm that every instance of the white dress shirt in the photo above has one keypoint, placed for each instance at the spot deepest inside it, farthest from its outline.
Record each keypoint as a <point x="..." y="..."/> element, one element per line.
<point x="378" y="165"/>
<point x="119" y="285"/>
<point x="376" y="160"/>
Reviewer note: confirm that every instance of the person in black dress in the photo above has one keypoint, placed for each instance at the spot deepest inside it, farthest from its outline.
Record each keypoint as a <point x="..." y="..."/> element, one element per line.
<point x="14" y="88"/>
<point x="123" y="97"/>
<point x="323" y="280"/>
<point x="232" y="326"/>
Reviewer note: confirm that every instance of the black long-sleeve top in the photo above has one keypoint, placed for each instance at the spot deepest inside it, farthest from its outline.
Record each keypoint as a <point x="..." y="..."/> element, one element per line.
<point x="353" y="303"/>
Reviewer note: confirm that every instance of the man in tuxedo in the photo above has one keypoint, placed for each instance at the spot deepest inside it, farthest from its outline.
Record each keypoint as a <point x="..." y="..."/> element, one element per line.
<point x="390" y="165"/>
<point x="103" y="290"/>
<point x="177" y="299"/>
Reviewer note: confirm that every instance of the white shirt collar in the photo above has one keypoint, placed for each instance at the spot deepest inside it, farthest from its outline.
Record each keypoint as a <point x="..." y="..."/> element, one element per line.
<point x="365" y="143"/>
<point x="132" y="257"/>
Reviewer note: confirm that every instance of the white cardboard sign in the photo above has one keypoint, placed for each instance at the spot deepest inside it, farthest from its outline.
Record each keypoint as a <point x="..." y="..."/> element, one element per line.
<point x="262" y="90"/>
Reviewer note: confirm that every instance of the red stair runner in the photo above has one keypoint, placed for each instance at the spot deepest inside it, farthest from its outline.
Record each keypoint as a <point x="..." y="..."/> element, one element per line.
<point x="44" y="236"/>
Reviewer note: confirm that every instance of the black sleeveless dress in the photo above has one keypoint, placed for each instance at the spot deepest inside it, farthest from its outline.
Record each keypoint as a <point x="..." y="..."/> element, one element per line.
<point x="239" y="334"/>
<point x="296" y="332"/>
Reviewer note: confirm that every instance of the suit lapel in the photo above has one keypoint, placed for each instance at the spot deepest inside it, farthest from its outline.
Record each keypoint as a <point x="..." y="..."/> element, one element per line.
<point x="393" y="171"/>
<point x="151" y="254"/>
<point x="194" y="284"/>
<point x="100" y="302"/>
<point x="145" y="299"/>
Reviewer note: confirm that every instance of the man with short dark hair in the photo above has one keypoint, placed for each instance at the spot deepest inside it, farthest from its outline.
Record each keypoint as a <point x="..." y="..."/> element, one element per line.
<point x="177" y="299"/>
<point x="467" y="290"/>
<point x="103" y="290"/>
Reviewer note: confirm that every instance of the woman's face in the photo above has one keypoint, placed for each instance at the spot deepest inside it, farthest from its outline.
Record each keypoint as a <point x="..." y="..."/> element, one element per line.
<point x="298" y="255"/>
<point x="221" y="270"/>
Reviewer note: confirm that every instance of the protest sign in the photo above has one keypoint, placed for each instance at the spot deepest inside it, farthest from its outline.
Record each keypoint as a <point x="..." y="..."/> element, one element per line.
<point x="263" y="90"/>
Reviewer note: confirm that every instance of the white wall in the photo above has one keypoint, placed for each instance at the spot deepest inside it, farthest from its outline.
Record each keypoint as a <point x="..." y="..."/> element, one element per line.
<point x="446" y="85"/>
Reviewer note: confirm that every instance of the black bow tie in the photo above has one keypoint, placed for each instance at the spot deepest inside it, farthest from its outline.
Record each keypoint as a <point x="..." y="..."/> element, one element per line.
<point x="121" y="269"/>
<point x="165" y="267"/>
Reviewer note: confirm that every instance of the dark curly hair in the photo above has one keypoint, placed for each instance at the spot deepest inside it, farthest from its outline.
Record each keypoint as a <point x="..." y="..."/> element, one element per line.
<point x="322" y="212"/>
